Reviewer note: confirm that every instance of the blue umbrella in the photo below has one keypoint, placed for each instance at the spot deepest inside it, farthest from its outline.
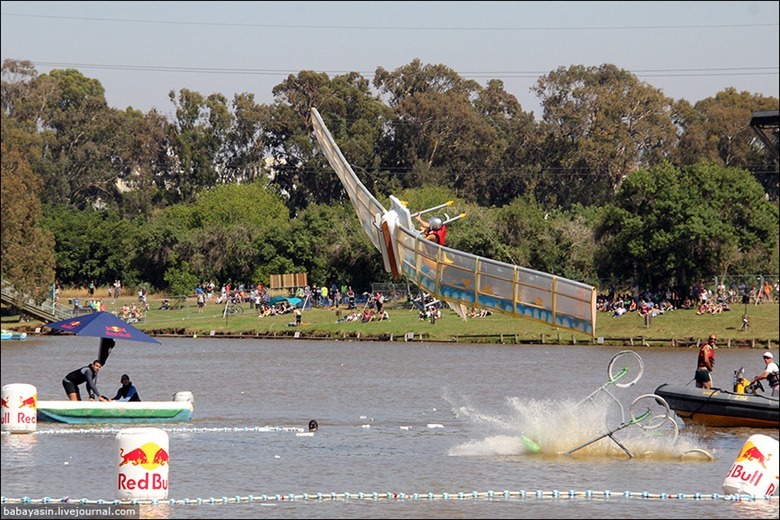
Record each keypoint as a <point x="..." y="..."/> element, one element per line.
<point x="102" y="325"/>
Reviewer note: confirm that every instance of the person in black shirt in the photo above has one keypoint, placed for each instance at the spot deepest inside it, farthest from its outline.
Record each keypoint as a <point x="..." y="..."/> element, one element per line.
<point x="127" y="391"/>
<point x="88" y="375"/>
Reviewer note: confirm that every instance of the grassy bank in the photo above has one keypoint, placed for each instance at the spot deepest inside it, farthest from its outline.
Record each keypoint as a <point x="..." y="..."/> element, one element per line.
<point x="675" y="328"/>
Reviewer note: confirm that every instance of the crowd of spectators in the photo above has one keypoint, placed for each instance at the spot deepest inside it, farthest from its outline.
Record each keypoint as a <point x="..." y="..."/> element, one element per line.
<point x="705" y="301"/>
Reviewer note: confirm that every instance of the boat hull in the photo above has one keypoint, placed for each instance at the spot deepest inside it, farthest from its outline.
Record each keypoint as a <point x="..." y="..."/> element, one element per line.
<point x="8" y="335"/>
<point x="86" y="412"/>
<point x="716" y="407"/>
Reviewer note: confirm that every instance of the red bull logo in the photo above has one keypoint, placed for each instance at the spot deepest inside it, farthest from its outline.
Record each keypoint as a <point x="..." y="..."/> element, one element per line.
<point x="117" y="332"/>
<point x="71" y="325"/>
<point x="150" y="457"/>
<point x="752" y="453"/>
<point x="5" y="404"/>
<point x="746" y="473"/>
<point x="29" y="402"/>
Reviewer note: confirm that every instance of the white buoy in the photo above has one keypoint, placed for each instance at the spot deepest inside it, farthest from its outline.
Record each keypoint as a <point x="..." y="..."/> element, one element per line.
<point x="20" y="408"/>
<point x="142" y="463"/>
<point x="754" y="471"/>
<point x="184" y="396"/>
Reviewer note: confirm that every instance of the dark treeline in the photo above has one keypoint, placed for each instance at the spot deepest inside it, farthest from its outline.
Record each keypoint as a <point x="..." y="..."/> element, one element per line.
<point x="615" y="185"/>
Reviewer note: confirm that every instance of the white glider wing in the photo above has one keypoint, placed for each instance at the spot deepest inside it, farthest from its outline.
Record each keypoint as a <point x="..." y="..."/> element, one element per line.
<point x="458" y="278"/>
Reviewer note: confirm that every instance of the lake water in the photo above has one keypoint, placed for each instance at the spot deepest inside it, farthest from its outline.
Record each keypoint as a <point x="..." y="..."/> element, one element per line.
<point x="393" y="417"/>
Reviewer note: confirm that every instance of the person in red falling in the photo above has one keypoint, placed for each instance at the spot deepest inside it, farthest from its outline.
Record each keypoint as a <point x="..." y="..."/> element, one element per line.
<point x="434" y="229"/>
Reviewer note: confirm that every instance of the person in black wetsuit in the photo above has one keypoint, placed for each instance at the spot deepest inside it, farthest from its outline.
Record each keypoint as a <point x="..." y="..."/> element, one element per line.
<point x="127" y="391"/>
<point x="88" y="375"/>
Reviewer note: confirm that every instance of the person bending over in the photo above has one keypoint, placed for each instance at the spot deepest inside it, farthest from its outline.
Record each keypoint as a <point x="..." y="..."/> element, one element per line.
<point x="80" y="376"/>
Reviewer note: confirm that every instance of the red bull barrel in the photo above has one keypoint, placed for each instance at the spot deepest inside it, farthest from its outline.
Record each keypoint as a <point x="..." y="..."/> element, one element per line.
<point x="19" y="408"/>
<point x="142" y="464"/>
<point x="755" y="470"/>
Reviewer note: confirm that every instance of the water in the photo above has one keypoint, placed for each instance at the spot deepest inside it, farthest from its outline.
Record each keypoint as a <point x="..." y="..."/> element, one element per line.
<point x="393" y="417"/>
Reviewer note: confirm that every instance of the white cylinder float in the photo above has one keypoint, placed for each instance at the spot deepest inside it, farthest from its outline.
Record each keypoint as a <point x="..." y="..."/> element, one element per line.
<point x="20" y="408"/>
<point x="142" y="464"/>
<point x="754" y="472"/>
<point x="184" y="396"/>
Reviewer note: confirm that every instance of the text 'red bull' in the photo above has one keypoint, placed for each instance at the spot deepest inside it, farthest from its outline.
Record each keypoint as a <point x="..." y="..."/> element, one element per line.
<point x="156" y="483"/>
<point x="21" y="418"/>
<point x="738" y="471"/>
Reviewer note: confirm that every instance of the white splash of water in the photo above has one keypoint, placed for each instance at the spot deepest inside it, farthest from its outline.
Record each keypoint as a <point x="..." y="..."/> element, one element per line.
<point x="553" y="427"/>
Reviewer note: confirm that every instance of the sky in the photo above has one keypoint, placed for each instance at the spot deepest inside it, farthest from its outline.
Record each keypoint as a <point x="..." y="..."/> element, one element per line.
<point x="140" y="51"/>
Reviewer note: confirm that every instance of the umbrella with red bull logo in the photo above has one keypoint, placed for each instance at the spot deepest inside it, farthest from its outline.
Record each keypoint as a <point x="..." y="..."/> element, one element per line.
<point x="102" y="325"/>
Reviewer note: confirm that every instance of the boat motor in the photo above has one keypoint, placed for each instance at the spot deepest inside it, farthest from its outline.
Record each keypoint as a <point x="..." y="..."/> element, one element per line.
<point x="740" y="383"/>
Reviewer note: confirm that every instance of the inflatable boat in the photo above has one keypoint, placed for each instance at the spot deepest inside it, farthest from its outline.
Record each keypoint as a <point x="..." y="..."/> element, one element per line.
<point x="717" y="407"/>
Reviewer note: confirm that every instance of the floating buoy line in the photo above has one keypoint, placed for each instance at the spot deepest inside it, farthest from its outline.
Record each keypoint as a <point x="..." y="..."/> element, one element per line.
<point x="173" y="430"/>
<point x="377" y="496"/>
<point x="469" y="495"/>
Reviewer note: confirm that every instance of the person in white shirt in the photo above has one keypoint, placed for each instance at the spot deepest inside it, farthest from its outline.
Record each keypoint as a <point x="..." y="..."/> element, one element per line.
<point x="771" y="374"/>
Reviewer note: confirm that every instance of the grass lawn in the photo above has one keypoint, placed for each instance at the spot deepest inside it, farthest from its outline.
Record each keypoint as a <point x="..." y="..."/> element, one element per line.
<point x="678" y="327"/>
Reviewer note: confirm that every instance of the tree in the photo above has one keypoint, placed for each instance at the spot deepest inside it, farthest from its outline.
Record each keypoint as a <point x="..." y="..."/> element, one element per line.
<point x="718" y="129"/>
<point x="512" y="168"/>
<point x="243" y="146"/>
<point x="229" y="233"/>
<point x="678" y="227"/>
<point x="94" y="244"/>
<point x="80" y="141"/>
<point x="354" y="117"/>
<point x="330" y="245"/>
<point x="196" y="140"/>
<point x="25" y="247"/>
<point x="437" y="136"/>
<point x="601" y="124"/>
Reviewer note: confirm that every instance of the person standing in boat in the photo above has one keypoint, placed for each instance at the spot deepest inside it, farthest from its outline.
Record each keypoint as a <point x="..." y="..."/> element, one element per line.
<point x="88" y="375"/>
<point x="127" y="391"/>
<point x="771" y="374"/>
<point x="705" y="364"/>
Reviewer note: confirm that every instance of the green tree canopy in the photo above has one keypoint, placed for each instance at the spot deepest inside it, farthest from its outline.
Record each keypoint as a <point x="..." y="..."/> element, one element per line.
<point x="673" y="227"/>
<point x="26" y="248"/>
